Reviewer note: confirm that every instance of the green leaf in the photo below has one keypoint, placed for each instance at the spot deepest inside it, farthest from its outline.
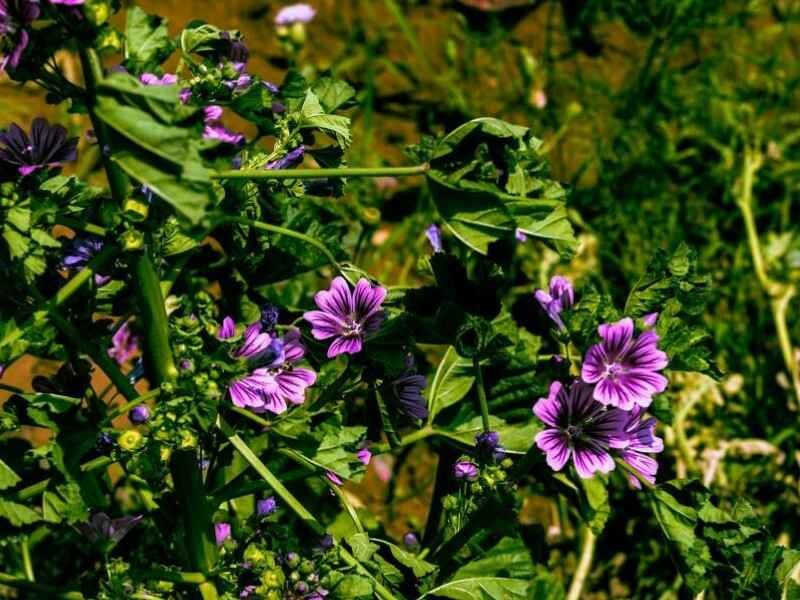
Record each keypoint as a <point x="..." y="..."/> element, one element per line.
<point x="453" y="380"/>
<point x="482" y="588"/>
<point x="508" y="558"/>
<point x="353" y="587"/>
<point x="148" y="43"/>
<point x="487" y="180"/>
<point x="17" y="514"/>
<point x="418" y="566"/>
<point x="594" y="503"/>
<point x="333" y="94"/>
<point x="8" y="478"/>
<point x="362" y="548"/>
<point x="515" y="438"/>
<point x="313" y="116"/>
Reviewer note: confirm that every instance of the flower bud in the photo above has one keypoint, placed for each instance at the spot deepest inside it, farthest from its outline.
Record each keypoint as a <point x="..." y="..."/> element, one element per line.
<point x="132" y="240"/>
<point x="130" y="440"/>
<point x="292" y="560"/>
<point x="135" y="210"/>
<point x="139" y="414"/>
<point x="254" y="554"/>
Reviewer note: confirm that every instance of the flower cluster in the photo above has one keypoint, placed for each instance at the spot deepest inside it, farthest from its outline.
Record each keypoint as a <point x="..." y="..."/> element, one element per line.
<point x="603" y="410"/>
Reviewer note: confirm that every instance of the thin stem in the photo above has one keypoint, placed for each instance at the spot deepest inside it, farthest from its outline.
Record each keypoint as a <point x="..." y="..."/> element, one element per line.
<point x="43" y="591"/>
<point x="679" y="427"/>
<point x="26" y="560"/>
<point x="173" y="576"/>
<point x="584" y="565"/>
<point x="484" y="405"/>
<point x="251" y="416"/>
<point x="77" y="225"/>
<point x="407" y="440"/>
<point x="252" y="174"/>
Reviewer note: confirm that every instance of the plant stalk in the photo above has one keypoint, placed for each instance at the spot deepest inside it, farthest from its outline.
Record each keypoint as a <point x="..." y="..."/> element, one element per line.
<point x="584" y="565"/>
<point x="252" y="174"/>
<point x="483" y="404"/>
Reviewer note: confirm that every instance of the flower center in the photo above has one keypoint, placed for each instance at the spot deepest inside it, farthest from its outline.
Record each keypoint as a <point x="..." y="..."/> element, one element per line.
<point x="614" y="370"/>
<point x="351" y="328"/>
<point x="574" y="431"/>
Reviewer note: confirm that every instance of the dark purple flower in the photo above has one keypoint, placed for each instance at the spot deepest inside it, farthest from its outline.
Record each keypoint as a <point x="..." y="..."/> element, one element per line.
<point x="364" y="456"/>
<point x="15" y="15"/>
<point x="222" y="532"/>
<point x="258" y="345"/>
<point x="236" y="50"/>
<point x="123" y="345"/>
<point x="47" y="147"/>
<point x="292" y="159"/>
<point x="487" y="445"/>
<point x="279" y="383"/>
<point x="139" y="414"/>
<point x="326" y="541"/>
<point x="348" y="316"/>
<point x="102" y="528"/>
<point x="578" y="428"/>
<point x="625" y="368"/>
<point x="408" y="392"/>
<point x="465" y="469"/>
<point x="434" y="235"/>
<point x="411" y="540"/>
<point x="560" y="297"/>
<point x="269" y="317"/>
<point x="241" y="82"/>
<point x="223" y="134"/>
<point x="333" y="478"/>
<point x="212" y="113"/>
<point x="637" y="441"/>
<point x="153" y="79"/>
<point x="80" y="252"/>
<point x="650" y="319"/>
<point x="186" y="364"/>
<point x="227" y="330"/>
<point x="295" y="13"/>
<point x="266" y="507"/>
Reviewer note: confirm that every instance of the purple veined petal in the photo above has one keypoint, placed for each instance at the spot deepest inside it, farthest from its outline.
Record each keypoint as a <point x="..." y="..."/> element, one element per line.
<point x="68" y="2"/>
<point x="590" y="458"/>
<point x="549" y="409"/>
<point x="553" y="444"/>
<point x="645" y="465"/>
<point x="227" y="330"/>
<point x="26" y="170"/>
<point x="338" y="300"/>
<point x="367" y="299"/>
<point x="293" y="349"/>
<point x="292" y="384"/>
<point x="212" y="113"/>
<point x="561" y="289"/>
<point x="223" y="134"/>
<point x="274" y="403"/>
<point x="333" y="478"/>
<point x="580" y="402"/>
<point x="613" y="393"/>
<point x="616" y="336"/>
<point x="245" y="394"/>
<point x="643" y="353"/>
<point x="345" y="345"/>
<point x="650" y="319"/>
<point x="373" y="322"/>
<point x="323" y="324"/>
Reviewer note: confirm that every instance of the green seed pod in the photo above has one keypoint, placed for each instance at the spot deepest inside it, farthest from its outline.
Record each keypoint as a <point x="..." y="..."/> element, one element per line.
<point x="132" y="240"/>
<point x="306" y="567"/>
<point x="131" y="440"/>
<point x="254" y="554"/>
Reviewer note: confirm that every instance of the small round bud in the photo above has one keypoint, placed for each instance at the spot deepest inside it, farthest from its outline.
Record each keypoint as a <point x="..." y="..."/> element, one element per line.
<point x="292" y="560"/>
<point x="306" y="567"/>
<point x="139" y="414"/>
<point x="132" y="240"/>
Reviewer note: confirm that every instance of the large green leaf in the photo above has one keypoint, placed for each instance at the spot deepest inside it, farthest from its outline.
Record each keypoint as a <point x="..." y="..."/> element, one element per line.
<point x="508" y="558"/>
<point x="148" y="42"/>
<point x="17" y="514"/>
<point x="8" y="478"/>
<point x="482" y="588"/>
<point x="453" y="380"/>
<point x="515" y="438"/>
<point x="488" y="180"/>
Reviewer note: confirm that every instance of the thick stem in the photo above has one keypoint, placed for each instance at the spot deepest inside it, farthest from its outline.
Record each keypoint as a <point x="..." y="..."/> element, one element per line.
<point x="198" y="529"/>
<point x="39" y="590"/>
<point x="158" y="354"/>
<point x="584" y="565"/>
<point x="26" y="560"/>
<point x="321" y="173"/>
<point x="484" y="405"/>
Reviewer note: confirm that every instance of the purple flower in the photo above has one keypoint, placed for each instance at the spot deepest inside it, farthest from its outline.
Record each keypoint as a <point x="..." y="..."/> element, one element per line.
<point x="411" y="540"/>
<point x="236" y="50"/>
<point x="326" y="541"/>
<point x="279" y="383"/>
<point x="223" y="134"/>
<point x="269" y="317"/>
<point x="346" y="316"/>
<point x="434" y="235"/>
<point x="222" y="532"/>
<point x="559" y="298"/>
<point x="291" y="159"/>
<point x="227" y="330"/>
<point x="333" y="478"/>
<point x="247" y="590"/>
<point x="274" y="89"/>
<point x="295" y="13"/>
<point x="364" y="455"/>
<point x="185" y="95"/>
<point x="186" y="364"/>
<point x="68" y="2"/>
<point x="258" y="345"/>
<point x="2" y="369"/>
<point x="80" y="252"/>
<point x="578" y="428"/>
<point x="212" y="113"/>
<point x="123" y="345"/>
<point x="139" y="414"/>
<point x="102" y="528"/>
<point x="14" y="16"/>
<point x="637" y="441"/>
<point x="241" y="82"/>
<point x="650" y="319"/>
<point x="153" y="79"/>
<point x="47" y="147"/>
<point x="465" y="469"/>
<point x="625" y="368"/>
<point x="520" y="235"/>
<point x="266" y="507"/>
<point x="487" y="445"/>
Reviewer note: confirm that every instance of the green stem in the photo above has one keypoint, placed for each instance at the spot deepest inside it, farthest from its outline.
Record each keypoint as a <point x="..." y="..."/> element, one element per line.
<point x="26" y="560"/>
<point x="247" y="414"/>
<point x="173" y="576"/>
<point x="251" y="174"/>
<point x="484" y="405"/>
<point x="42" y="591"/>
<point x="407" y="440"/>
<point x="125" y="408"/>
<point x="584" y="565"/>
<point x="679" y="427"/>
<point x="198" y="529"/>
<point x="208" y="591"/>
<point x="77" y="225"/>
<point x="153" y="314"/>
<point x="84" y="275"/>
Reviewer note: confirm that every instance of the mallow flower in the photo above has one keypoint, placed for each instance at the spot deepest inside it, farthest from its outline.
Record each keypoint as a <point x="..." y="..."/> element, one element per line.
<point x="153" y="79"/>
<point x="434" y="235"/>
<point x="347" y="316"/>
<point x="636" y="443"/>
<point x="560" y="297"/>
<point x="295" y="13"/>
<point x="124" y="344"/>
<point x="578" y="428"/>
<point x="102" y="528"/>
<point x="48" y="146"/>
<point x="15" y="16"/>
<point x="625" y="368"/>
<point x="407" y="389"/>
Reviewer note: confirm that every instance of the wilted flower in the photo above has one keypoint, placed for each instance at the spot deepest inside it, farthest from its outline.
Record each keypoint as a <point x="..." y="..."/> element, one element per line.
<point x="269" y="317"/>
<point x="333" y="478"/>
<point x="123" y="345"/>
<point x="292" y="159"/>
<point x="650" y="319"/>
<point x="222" y="532"/>
<point x="295" y="13"/>
<point x="434" y="235"/>
<point x="625" y="368"/>
<point x="407" y="389"/>
<point x="266" y="507"/>
<point x="223" y="134"/>
<point x="578" y="428"/>
<point x="487" y="445"/>
<point x="102" y="528"/>
<point x="47" y="147"/>
<point x="15" y="15"/>
<point x="559" y="298"/>
<point x="364" y="455"/>
<point x="139" y="414"/>
<point x="279" y="383"/>
<point x="465" y="469"/>
<point x="637" y="441"/>
<point x="153" y="79"/>
<point x="346" y="316"/>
